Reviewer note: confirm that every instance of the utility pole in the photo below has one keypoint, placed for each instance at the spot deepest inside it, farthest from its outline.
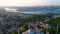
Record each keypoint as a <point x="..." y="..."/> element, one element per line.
<point x="18" y="31"/>
<point x="0" y="25"/>
<point x="57" y="28"/>
<point x="18" y="25"/>
<point x="47" y="32"/>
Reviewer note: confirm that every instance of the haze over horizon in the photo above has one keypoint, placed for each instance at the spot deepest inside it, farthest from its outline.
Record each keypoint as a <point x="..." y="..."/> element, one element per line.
<point x="29" y="2"/>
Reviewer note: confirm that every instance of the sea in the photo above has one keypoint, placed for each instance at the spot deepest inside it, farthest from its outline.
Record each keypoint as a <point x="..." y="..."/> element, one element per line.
<point x="56" y="11"/>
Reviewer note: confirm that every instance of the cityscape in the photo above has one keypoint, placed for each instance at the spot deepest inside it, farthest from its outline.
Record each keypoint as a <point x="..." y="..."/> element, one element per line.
<point x="18" y="22"/>
<point x="29" y="16"/>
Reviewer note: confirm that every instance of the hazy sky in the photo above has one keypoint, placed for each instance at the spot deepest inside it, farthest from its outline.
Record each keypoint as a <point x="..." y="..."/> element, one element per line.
<point x="28" y="2"/>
